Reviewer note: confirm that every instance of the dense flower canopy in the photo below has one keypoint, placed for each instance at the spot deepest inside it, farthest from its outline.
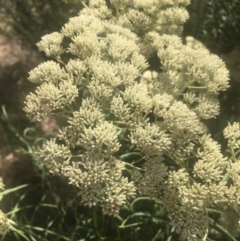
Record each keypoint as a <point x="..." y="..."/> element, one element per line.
<point x="99" y="87"/>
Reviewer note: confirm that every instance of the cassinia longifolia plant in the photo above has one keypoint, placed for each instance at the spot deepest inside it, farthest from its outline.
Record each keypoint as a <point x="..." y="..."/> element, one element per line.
<point x="114" y="117"/>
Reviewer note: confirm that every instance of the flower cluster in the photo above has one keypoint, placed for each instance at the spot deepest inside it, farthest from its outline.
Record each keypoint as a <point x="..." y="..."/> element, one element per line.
<point x="4" y="226"/>
<point x="108" y="105"/>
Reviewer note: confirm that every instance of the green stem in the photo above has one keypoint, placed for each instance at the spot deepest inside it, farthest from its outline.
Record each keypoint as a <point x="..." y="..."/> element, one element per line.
<point x="197" y="87"/>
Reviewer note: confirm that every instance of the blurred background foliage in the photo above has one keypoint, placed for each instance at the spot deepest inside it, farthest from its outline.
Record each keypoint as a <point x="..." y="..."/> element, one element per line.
<point x="29" y="20"/>
<point x="216" y="23"/>
<point x="47" y="208"/>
